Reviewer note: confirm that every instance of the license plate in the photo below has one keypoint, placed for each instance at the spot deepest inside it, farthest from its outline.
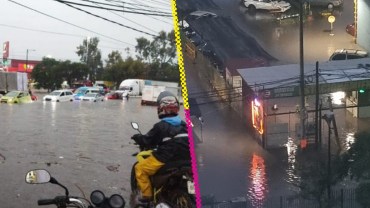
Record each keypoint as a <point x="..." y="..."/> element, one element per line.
<point x="191" y="189"/>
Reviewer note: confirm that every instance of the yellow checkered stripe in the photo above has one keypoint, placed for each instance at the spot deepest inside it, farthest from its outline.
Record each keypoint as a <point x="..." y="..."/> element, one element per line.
<point x="180" y="55"/>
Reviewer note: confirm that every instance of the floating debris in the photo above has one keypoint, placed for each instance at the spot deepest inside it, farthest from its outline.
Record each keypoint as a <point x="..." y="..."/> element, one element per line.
<point x="113" y="168"/>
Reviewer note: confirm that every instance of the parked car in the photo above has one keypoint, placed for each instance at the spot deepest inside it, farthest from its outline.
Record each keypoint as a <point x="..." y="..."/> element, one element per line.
<point x="114" y="96"/>
<point x="16" y="97"/>
<point x="330" y="4"/>
<point x="59" y="96"/>
<point x="104" y="87"/>
<point x="94" y="97"/>
<point x="82" y="91"/>
<point x="200" y="14"/>
<point x="344" y="54"/>
<point x="350" y="29"/>
<point x="272" y="6"/>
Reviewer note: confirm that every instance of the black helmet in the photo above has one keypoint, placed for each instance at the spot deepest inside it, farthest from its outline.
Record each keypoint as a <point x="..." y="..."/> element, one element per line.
<point x="168" y="105"/>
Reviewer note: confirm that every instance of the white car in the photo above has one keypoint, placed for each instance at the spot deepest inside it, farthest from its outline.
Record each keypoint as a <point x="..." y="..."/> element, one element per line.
<point x="59" y="96"/>
<point x="94" y="97"/>
<point x="272" y="6"/>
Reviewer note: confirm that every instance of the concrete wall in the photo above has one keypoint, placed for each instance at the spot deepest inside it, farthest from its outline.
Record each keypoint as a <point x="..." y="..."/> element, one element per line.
<point x="363" y="37"/>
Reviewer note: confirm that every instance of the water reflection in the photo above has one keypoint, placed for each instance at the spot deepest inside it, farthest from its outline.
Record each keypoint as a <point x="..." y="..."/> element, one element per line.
<point x="291" y="148"/>
<point x="258" y="189"/>
<point x="350" y="139"/>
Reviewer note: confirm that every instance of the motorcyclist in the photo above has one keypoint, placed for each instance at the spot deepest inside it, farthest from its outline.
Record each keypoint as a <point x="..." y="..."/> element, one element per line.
<point x="170" y="137"/>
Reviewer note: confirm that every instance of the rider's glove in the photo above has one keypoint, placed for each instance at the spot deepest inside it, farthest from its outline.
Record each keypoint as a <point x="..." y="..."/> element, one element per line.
<point x="136" y="138"/>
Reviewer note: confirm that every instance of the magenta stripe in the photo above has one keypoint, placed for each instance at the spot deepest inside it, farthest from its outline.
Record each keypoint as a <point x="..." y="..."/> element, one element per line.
<point x="193" y="158"/>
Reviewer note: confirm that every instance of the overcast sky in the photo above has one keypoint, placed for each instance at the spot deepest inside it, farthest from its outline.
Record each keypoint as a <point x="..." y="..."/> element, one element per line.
<point x="51" y="28"/>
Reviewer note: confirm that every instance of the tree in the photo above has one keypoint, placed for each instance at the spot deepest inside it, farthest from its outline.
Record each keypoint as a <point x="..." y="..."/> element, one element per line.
<point x="161" y="50"/>
<point x="113" y="58"/>
<point x="91" y="55"/>
<point x="46" y="74"/>
<point x="50" y="74"/>
<point x="126" y="69"/>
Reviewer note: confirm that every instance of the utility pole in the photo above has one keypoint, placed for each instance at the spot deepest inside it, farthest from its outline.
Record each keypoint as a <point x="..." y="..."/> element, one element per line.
<point x="301" y="63"/>
<point x="317" y="107"/>
<point x="28" y="50"/>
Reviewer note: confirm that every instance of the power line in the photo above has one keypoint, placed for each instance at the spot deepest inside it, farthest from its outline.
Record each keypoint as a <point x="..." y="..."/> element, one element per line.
<point x="132" y="21"/>
<point x="121" y="6"/>
<point x="118" y="10"/>
<point x="107" y="19"/>
<point x="140" y="5"/>
<point x="155" y="17"/>
<point x="69" y="23"/>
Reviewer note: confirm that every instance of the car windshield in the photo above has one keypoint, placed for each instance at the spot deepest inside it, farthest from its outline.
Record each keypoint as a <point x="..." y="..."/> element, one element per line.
<point x="55" y="93"/>
<point x="12" y="94"/>
<point x="124" y="88"/>
<point x="81" y="91"/>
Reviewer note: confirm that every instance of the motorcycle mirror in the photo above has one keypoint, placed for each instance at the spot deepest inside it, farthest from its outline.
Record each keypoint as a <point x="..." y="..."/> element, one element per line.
<point x="135" y="125"/>
<point x="38" y="176"/>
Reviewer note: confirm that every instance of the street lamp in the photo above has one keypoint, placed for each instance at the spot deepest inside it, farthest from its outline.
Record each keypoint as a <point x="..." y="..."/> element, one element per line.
<point x="28" y="50"/>
<point x="328" y="117"/>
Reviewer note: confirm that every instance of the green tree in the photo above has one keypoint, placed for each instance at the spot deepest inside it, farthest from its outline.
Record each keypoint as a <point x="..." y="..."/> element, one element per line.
<point x="113" y="58"/>
<point x="50" y="73"/>
<point x="162" y="49"/>
<point x="91" y="55"/>
<point x="126" y="69"/>
<point x="73" y="71"/>
<point x="47" y="75"/>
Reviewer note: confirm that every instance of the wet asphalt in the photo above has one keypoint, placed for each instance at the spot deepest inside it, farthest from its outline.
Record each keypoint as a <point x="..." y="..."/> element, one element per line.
<point x="85" y="146"/>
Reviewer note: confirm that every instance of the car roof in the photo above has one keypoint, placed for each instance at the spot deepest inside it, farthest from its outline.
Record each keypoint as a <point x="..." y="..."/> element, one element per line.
<point x="62" y="91"/>
<point x="202" y="13"/>
<point x="351" y="51"/>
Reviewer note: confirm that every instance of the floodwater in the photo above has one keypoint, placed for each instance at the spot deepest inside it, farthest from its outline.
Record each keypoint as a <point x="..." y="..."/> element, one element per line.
<point x="85" y="146"/>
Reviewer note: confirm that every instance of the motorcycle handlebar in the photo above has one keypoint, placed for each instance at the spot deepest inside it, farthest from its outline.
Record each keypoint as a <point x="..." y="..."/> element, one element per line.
<point x="41" y="202"/>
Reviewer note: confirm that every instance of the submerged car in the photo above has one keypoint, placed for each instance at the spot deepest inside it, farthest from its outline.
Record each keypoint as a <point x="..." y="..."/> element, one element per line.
<point x="272" y="6"/>
<point x="59" y="96"/>
<point x="16" y="97"/>
<point x="345" y="54"/>
<point x="114" y="96"/>
<point x="94" y="97"/>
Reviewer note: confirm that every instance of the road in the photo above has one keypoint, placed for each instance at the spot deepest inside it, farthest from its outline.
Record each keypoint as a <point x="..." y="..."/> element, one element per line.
<point x="236" y="33"/>
<point x="84" y="146"/>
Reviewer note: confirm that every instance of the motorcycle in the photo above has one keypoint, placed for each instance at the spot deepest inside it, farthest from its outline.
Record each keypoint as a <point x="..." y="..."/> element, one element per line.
<point x="97" y="197"/>
<point x="173" y="185"/>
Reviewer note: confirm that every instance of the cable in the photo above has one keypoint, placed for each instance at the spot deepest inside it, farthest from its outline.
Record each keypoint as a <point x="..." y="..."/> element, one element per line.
<point x="122" y="6"/>
<point x="70" y="23"/>
<point x="110" y="9"/>
<point x="107" y="19"/>
<point x="132" y="21"/>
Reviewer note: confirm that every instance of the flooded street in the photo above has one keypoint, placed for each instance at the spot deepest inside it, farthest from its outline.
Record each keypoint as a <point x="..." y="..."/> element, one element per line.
<point x="85" y="146"/>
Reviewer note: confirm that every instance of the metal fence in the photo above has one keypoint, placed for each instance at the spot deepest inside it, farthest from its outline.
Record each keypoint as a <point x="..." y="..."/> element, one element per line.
<point x="342" y="198"/>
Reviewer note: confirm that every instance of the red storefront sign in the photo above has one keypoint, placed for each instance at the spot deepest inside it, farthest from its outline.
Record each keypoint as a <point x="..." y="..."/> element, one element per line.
<point x="23" y="68"/>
